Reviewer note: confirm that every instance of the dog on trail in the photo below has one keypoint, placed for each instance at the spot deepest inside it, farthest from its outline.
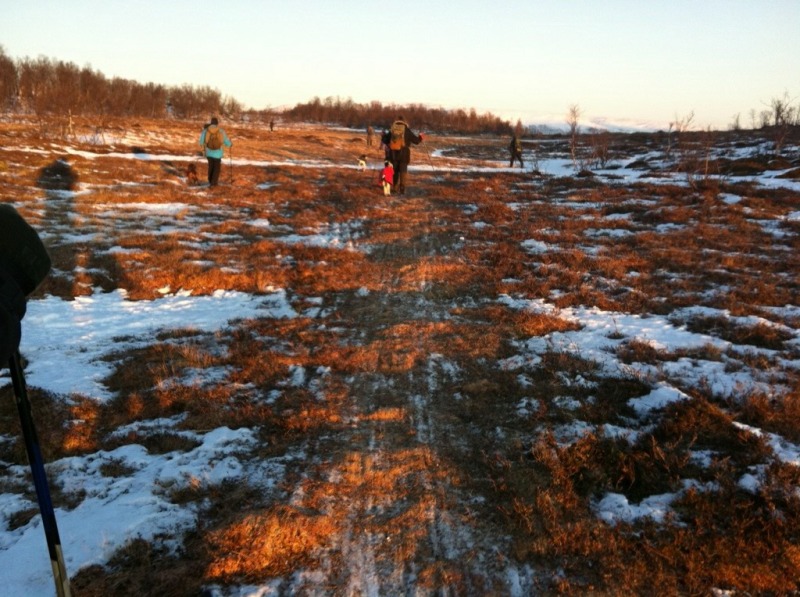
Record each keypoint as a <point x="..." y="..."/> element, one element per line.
<point x="191" y="174"/>
<point x="362" y="162"/>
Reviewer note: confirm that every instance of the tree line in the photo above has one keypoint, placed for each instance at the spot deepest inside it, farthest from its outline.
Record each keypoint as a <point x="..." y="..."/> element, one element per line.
<point x="44" y="86"/>
<point x="347" y="113"/>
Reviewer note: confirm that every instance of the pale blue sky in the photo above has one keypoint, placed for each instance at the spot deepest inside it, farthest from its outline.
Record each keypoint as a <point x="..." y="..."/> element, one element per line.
<point x="528" y="59"/>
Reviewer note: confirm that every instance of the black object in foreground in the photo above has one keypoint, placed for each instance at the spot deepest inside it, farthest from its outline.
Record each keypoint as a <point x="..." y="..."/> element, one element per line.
<point x="39" y="478"/>
<point x="24" y="263"/>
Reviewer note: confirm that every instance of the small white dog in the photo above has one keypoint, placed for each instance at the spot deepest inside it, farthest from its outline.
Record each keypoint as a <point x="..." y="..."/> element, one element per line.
<point x="362" y="162"/>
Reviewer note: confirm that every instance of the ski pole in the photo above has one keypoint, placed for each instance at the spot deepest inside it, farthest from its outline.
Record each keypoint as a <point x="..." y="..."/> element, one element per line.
<point x="39" y="478"/>
<point x="430" y="161"/>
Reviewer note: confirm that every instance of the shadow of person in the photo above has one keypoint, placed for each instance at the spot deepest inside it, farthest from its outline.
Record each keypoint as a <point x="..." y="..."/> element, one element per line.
<point x="58" y="176"/>
<point x="59" y="181"/>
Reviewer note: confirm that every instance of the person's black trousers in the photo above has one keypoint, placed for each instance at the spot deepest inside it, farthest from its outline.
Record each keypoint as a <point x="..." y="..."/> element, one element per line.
<point x="214" y="167"/>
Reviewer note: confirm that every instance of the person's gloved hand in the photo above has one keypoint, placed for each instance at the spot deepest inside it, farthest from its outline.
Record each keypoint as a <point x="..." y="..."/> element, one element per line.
<point x="420" y="138"/>
<point x="22" y="253"/>
<point x="24" y="263"/>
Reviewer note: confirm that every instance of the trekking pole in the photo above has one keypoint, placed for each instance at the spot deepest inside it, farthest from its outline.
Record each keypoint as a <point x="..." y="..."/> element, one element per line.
<point x="39" y="478"/>
<point x="430" y="161"/>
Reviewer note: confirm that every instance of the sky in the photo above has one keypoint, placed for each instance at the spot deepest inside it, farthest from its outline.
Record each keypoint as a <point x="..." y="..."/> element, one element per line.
<point x="624" y="60"/>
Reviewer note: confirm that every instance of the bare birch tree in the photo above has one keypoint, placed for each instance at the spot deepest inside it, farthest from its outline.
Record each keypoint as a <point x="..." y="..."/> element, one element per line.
<point x="573" y="119"/>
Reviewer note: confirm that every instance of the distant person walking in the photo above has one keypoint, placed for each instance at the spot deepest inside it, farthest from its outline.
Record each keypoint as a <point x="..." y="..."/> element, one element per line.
<point x="212" y="140"/>
<point x="370" y="135"/>
<point x="515" y="147"/>
<point x="401" y="137"/>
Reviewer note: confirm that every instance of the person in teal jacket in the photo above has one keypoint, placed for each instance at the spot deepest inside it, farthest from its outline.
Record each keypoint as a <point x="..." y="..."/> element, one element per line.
<point x="212" y="140"/>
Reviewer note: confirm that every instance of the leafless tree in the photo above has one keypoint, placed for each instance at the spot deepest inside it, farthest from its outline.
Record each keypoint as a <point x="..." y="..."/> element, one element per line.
<point x="573" y="119"/>
<point x="708" y="141"/>
<point x="49" y="87"/>
<point x="753" y="119"/>
<point x="357" y="115"/>
<point x="781" y="109"/>
<point x="687" y="152"/>
<point x="678" y="127"/>
<point x="783" y="118"/>
<point x="600" y="140"/>
<point x="8" y="82"/>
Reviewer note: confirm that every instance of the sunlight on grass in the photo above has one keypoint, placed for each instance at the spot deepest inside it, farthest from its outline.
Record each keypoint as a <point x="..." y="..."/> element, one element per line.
<point x="471" y="383"/>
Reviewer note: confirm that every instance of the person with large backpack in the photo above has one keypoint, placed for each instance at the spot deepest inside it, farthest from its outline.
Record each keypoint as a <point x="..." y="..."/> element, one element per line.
<point x="400" y="138"/>
<point x="212" y="140"/>
<point x="515" y="147"/>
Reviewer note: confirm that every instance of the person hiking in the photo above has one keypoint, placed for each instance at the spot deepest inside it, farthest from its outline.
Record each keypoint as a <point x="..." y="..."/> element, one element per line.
<point x="515" y="147"/>
<point x="401" y="137"/>
<point x="387" y="178"/>
<point x="212" y="139"/>
<point x="370" y="135"/>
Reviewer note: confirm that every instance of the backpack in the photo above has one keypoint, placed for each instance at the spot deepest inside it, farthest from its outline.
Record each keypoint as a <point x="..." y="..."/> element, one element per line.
<point x="397" y="135"/>
<point x="214" y="138"/>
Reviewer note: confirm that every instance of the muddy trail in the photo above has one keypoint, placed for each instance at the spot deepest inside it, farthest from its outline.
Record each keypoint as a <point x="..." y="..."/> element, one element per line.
<point x="391" y="480"/>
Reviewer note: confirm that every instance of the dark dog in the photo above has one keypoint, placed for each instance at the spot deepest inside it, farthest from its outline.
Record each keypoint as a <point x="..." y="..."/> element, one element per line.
<point x="191" y="174"/>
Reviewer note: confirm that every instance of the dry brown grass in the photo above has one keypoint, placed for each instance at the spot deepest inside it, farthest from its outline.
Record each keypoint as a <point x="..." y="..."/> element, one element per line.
<point x="404" y="419"/>
<point x="268" y="544"/>
<point x="548" y="499"/>
<point x="775" y="415"/>
<point x="518" y="324"/>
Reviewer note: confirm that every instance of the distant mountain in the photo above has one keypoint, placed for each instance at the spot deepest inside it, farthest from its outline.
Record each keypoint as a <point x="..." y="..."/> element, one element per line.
<point x="556" y="126"/>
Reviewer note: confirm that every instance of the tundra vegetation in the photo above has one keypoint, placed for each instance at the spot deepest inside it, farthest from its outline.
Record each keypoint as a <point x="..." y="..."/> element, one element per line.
<point x="437" y="416"/>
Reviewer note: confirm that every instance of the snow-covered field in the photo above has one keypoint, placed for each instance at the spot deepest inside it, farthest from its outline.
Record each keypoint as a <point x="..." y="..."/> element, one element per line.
<point x="408" y="329"/>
